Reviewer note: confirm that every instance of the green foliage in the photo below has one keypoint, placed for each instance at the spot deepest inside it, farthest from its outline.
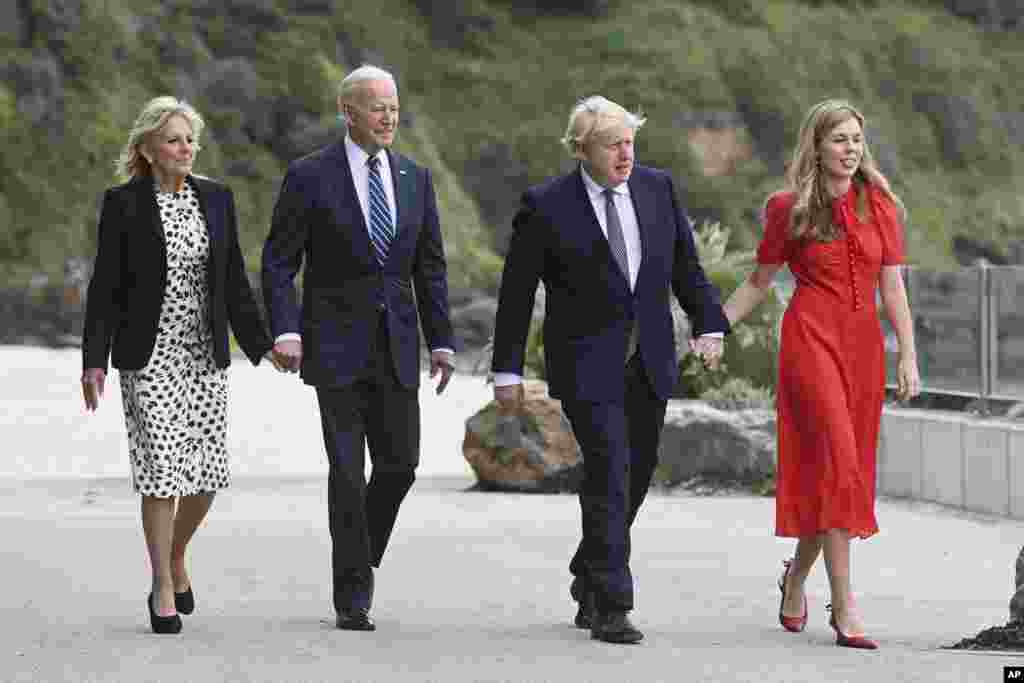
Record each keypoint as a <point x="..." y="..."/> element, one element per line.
<point x="511" y="79"/>
<point x="534" y="360"/>
<point x="749" y="365"/>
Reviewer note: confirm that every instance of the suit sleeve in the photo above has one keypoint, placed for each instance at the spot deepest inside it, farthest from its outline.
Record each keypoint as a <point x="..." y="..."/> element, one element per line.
<point x="282" y="255"/>
<point x="243" y="313"/>
<point x="524" y="265"/>
<point x="102" y="309"/>
<point x="696" y="294"/>
<point x="430" y="276"/>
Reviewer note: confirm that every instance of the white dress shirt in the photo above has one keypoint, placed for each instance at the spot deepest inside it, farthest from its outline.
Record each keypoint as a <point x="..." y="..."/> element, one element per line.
<point x="627" y="218"/>
<point x="357" y="158"/>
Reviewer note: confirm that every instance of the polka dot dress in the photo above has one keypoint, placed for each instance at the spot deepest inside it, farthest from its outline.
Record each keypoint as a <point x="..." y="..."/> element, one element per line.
<point x="176" y="406"/>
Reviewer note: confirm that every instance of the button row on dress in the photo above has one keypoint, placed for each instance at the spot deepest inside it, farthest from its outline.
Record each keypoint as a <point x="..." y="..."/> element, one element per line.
<point x="852" y="249"/>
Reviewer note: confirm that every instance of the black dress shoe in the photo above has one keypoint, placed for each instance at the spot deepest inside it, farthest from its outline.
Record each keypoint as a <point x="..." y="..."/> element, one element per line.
<point x="161" y="624"/>
<point x="185" y="602"/>
<point x="614" y="627"/>
<point x="585" y="613"/>
<point x="355" y="619"/>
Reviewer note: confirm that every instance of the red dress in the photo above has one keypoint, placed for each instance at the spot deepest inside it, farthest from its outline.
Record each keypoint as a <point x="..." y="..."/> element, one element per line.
<point x="831" y="366"/>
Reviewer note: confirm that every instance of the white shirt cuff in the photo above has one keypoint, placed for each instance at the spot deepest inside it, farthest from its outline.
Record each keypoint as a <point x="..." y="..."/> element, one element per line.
<point x="444" y="350"/>
<point x="713" y="335"/>
<point x="507" y="379"/>
<point x="288" y="336"/>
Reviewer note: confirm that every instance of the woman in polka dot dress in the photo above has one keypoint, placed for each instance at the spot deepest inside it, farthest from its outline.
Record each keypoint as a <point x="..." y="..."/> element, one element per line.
<point x="168" y="281"/>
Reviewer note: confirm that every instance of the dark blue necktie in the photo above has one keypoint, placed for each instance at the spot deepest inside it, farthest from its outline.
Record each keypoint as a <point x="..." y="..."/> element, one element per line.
<point x="382" y="229"/>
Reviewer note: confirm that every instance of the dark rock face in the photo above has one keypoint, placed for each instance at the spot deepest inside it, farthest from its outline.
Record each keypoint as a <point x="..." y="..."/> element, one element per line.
<point x="956" y="123"/>
<point x="968" y="251"/>
<point x="257" y="14"/>
<point x="768" y="129"/>
<point x="452" y="21"/>
<point x="310" y="6"/>
<point x="1006" y="14"/>
<point x="38" y="86"/>
<point x="233" y="84"/>
<point x="495" y="178"/>
<point x="590" y="8"/>
<point x="12" y="22"/>
<point x="1013" y="123"/>
<point x="884" y="153"/>
<point x="55" y="21"/>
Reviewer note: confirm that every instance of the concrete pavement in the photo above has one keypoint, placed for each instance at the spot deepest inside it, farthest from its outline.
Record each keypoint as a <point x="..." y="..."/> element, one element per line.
<point x="475" y="585"/>
<point x="475" y="589"/>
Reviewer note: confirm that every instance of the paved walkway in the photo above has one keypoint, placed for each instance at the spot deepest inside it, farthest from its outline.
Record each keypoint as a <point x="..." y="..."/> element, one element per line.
<point x="474" y="587"/>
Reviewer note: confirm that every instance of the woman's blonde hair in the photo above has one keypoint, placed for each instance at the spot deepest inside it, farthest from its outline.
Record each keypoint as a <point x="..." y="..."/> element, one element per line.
<point x="152" y="118"/>
<point x="812" y="212"/>
<point x="592" y="116"/>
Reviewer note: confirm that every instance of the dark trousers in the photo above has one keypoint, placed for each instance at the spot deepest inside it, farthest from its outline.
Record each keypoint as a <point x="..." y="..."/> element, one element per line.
<point x="378" y="412"/>
<point x="619" y="440"/>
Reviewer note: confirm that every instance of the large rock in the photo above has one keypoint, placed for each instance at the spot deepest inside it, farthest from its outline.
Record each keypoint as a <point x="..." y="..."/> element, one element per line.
<point x="701" y="441"/>
<point x="532" y="452"/>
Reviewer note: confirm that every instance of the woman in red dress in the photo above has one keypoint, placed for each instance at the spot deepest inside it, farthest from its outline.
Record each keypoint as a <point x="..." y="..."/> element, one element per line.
<point x="838" y="228"/>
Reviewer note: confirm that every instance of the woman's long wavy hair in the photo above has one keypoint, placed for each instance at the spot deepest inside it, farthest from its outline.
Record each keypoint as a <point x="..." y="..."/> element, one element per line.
<point x="812" y="212"/>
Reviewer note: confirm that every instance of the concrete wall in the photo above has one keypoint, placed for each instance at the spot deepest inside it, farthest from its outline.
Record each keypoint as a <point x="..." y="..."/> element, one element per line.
<point x="954" y="459"/>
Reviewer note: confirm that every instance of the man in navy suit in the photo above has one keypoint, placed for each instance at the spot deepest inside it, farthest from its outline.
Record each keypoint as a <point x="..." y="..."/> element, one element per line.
<point x="611" y="242"/>
<point x="365" y="220"/>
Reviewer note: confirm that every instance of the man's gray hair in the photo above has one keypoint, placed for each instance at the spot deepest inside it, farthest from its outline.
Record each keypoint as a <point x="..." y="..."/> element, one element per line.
<point x="593" y="115"/>
<point x="367" y="72"/>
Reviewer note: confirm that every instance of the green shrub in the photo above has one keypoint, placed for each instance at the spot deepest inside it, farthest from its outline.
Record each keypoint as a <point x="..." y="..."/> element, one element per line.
<point x="751" y="351"/>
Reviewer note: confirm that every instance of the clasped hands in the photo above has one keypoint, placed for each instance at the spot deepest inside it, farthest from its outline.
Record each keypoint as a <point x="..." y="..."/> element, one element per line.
<point x="286" y="356"/>
<point x="709" y="349"/>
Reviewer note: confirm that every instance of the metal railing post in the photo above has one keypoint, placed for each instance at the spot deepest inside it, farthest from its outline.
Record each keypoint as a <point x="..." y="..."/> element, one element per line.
<point x="985" y="336"/>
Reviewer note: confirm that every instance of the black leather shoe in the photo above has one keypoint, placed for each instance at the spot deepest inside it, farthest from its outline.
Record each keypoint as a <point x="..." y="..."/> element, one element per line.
<point x="185" y="602"/>
<point x="355" y="619"/>
<point x="585" y="613"/>
<point x="161" y="624"/>
<point x="614" y="627"/>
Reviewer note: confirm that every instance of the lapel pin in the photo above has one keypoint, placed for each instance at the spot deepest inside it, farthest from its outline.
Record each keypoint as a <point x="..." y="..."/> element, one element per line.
<point x="401" y="171"/>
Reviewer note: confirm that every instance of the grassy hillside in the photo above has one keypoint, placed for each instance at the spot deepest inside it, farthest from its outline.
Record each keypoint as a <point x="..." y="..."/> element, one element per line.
<point x="486" y="88"/>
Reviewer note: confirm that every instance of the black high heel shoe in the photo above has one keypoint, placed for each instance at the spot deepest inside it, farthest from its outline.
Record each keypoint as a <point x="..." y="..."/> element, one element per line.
<point x="161" y="624"/>
<point x="185" y="602"/>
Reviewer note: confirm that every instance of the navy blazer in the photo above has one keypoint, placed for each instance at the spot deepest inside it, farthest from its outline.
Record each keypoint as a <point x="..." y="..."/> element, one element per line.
<point x="589" y="308"/>
<point x="126" y="291"/>
<point x="345" y="291"/>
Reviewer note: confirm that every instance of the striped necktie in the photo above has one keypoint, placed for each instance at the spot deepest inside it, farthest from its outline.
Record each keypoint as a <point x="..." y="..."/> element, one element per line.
<point x="382" y="229"/>
<point x="616" y="240"/>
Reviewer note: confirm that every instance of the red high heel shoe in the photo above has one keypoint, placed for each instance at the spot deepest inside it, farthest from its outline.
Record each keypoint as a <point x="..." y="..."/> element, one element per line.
<point x="843" y="640"/>
<point x="792" y="624"/>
